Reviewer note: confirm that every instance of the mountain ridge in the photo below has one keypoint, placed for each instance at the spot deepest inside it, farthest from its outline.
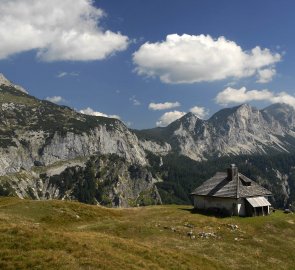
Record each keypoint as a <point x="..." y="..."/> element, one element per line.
<point x="32" y="140"/>
<point x="238" y="130"/>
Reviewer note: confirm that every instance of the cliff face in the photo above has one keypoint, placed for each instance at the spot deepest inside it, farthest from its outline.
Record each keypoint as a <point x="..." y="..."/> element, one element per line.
<point x="241" y="130"/>
<point x="34" y="131"/>
<point x="37" y="148"/>
<point x="37" y="134"/>
<point x="105" y="179"/>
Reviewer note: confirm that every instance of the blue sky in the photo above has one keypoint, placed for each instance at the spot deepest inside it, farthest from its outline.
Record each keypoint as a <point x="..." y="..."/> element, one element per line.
<point x="125" y="55"/>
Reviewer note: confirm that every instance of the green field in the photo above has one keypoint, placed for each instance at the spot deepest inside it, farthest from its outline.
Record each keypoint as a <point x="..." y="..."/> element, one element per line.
<point x="70" y="235"/>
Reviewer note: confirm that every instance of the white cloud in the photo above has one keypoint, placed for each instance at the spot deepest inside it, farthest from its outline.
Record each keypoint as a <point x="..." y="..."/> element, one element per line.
<point x="90" y="111"/>
<point x="135" y="101"/>
<point x="169" y="117"/>
<point x="191" y="59"/>
<point x="55" y="99"/>
<point x="58" y="30"/>
<point x="163" y="106"/>
<point x="284" y="97"/>
<point x="266" y="75"/>
<point x="64" y="74"/>
<point x="242" y="95"/>
<point x="200" y="112"/>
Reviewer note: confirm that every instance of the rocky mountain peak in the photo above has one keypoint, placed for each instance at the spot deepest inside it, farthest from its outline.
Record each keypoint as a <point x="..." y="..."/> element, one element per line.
<point x="244" y="110"/>
<point x="189" y="118"/>
<point x="282" y="113"/>
<point x="190" y="115"/>
<point x="247" y="113"/>
<point x="239" y="113"/>
<point x="277" y="109"/>
<point x="243" y="129"/>
<point x="189" y="121"/>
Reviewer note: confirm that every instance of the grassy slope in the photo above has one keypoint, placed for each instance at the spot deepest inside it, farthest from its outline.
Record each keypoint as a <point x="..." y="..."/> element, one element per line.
<point x="69" y="235"/>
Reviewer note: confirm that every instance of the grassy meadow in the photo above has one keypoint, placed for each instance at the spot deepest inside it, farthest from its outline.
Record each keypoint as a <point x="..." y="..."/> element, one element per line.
<point x="71" y="235"/>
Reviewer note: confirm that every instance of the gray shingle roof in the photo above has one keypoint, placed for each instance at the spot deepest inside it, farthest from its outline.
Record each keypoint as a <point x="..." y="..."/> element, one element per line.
<point x="220" y="186"/>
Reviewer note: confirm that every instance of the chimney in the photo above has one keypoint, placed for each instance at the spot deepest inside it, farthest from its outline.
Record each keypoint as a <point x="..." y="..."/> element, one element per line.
<point x="232" y="172"/>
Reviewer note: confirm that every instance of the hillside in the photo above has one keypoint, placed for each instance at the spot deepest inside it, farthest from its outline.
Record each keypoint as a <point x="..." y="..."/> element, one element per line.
<point x="48" y="151"/>
<point x="70" y="235"/>
<point x="181" y="175"/>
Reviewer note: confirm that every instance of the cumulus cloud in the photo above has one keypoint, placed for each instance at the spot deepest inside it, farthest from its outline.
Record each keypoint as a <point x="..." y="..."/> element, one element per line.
<point x="90" y="111"/>
<point x="242" y="95"/>
<point x="200" y="112"/>
<point x="191" y="59"/>
<point x="163" y="106"/>
<point x="55" y="99"/>
<point x="58" y="30"/>
<point x="169" y="117"/>
<point x="266" y="75"/>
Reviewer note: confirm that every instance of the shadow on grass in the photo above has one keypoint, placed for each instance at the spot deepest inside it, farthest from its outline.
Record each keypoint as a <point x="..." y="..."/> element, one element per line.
<point x="212" y="212"/>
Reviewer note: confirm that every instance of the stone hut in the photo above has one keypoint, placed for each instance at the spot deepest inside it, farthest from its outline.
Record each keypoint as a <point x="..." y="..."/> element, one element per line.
<point x="232" y="193"/>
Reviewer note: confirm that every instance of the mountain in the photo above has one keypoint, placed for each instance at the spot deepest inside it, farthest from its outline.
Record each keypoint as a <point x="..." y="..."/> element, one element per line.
<point x="49" y="151"/>
<point x="38" y="134"/>
<point x="281" y="113"/>
<point x="232" y="131"/>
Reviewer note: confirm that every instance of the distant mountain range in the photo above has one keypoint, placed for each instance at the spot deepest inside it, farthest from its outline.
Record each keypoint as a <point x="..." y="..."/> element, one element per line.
<point x="43" y="146"/>
<point x="233" y="131"/>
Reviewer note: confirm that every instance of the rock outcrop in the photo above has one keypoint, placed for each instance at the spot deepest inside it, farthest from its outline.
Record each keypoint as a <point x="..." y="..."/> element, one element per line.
<point x="34" y="131"/>
<point x="105" y="179"/>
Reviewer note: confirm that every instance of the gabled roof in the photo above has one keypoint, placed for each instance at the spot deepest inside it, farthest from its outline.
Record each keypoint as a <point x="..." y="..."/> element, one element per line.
<point x="240" y="187"/>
